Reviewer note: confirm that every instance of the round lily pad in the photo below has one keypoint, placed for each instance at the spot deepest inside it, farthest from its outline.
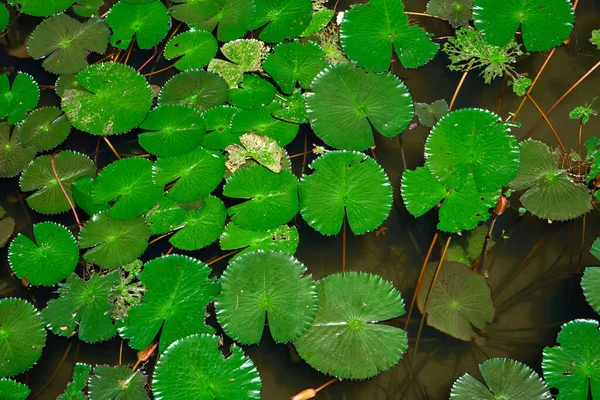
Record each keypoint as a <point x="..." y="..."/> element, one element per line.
<point x="201" y="227"/>
<point x="195" y="10"/>
<point x="148" y="21"/>
<point x="13" y="156"/>
<point x="83" y="197"/>
<point x="43" y="8"/>
<point x="19" y="98"/>
<point x="118" y="382"/>
<point x="218" y="127"/>
<point x="345" y="339"/>
<point x="196" y="49"/>
<point x="590" y="283"/>
<point x="165" y="217"/>
<point x="283" y="238"/>
<point x="198" y="89"/>
<point x="177" y="291"/>
<point x="22" y="336"/>
<point x="4" y="17"/>
<point x="348" y="102"/>
<point x="13" y="390"/>
<point x="113" y="98"/>
<point x="261" y="122"/>
<point x="254" y="92"/>
<point x="44" y="129"/>
<point x="260" y="285"/>
<point x="284" y="18"/>
<point x="197" y="361"/>
<point x="457" y="12"/>
<point x="64" y="43"/>
<point x="347" y="184"/>
<point x="49" y="259"/>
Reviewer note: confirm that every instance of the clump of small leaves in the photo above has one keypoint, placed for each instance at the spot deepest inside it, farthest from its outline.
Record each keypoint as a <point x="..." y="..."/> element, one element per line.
<point x="127" y="293"/>
<point x="584" y="112"/>
<point x="430" y="114"/>
<point x="595" y="39"/>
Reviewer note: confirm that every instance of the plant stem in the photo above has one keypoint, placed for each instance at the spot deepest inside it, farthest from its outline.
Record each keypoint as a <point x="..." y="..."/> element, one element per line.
<point x="158" y="238"/>
<point x="418" y="14"/>
<point x="323" y="386"/>
<point x="428" y="298"/>
<point x="60" y="363"/>
<point x="420" y="279"/>
<point x="579" y="138"/>
<point x="170" y="250"/>
<point x="545" y="117"/>
<point x="344" y="244"/>
<point x="111" y="147"/>
<point x="488" y="236"/>
<point x="121" y="352"/>
<point x="548" y="111"/>
<point x="373" y="153"/>
<point x="148" y="60"/>
<point x="210" y="262"/>
<point x="129" y="51"/>
<point x="401" y="143"/>
<point x="62" y="188"/>
<point x="159" y="71"/>
<point x="504" y="80"/>
<point x="305" y="154"/>
<point x="460" y="83"/>
<point x="582" y="243"/>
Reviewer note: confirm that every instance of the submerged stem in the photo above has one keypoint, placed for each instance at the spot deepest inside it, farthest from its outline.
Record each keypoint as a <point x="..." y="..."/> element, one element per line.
<point x="60" y="363"/>
<point x="62" y="188"/>
<point x="159" y="71"/>
<point x="488" y="236"/>
<point x="210" y="262"/>
<point x="460" y="83"/>
<point x="545" y="117"/>
<point x="344" y="244"/>
<point x="111" y="147"/>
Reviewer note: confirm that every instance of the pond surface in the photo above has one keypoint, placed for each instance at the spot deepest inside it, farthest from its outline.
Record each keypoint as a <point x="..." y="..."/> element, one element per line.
<point x="534" y="274"/>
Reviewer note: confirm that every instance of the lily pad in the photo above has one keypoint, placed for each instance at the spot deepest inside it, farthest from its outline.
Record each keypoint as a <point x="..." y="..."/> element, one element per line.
<point x="544" y="23"/>
<point x="127" y="182"/>
<point x="195" y="174"/>
<point x="49" y="259"/>
<point x="461" y="300"/>
<point x="195" y="10"/>
<point x="260" y="285"/>
<point x="201" y="227"/>
<point x="232" y="21"/>
<point x="19" y="98"/>
<point x="284" y="238"/>
<point x="573" y="367"/>
<point x="290" y="108"/>
<point x="113" y="98"/>
<point x="83" y="306"/>
<point x="83" y="198"/>
<point x="348" y="102"/>
<point x="295" y="62"/>
<point x="75" y="388"/>
<point x="177" y="291"/>
<point x="13" y="390"/>
<point x="13" y="156"/>
<point x="165" y="217"/>
<point x="261" y="149"/>
<point x="196" y="49"/>
<point x="457" y="12"/>
<point x="590" y="283"/>
<point x="22" y="336"/>
<point x="87" y="8"/>
<point x="48" y="197"/>
<point x="174" y="130"/>
<point x="147" y="21"/>
<point x="506" y="379"/>
<point x="7" y="227"/>
<point x="472" y="142"/>
<point x="550" y="192"/>
<point x="244" y="55"/>
<point x="467" y="248"/>
<point x="319" y="20"/>
<point x="369" y="31"/>
<point x="345" y="339"/>
<point x="218" y="127"/>
<point x="283" y="18"/>
<point x="64" y="43"/>
<point x="254" y="92"/>
<point x="4" y="20"/>
<point x="261" y="122"/>
<point x="430" y="114"/>
<point x="197" y="361"/>
<point x="44" y="129"/>
<point x="113" y="243"/>
<point x="43" y="8"/>
<point x="195" y="88"/>
<point x="119" y="382"/>
<point x="272" y="198"/>
<point x="345" y="184"/>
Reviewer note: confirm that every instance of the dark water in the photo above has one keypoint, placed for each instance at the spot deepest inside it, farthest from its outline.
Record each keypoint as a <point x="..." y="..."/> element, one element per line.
<point x="532" y="298"/>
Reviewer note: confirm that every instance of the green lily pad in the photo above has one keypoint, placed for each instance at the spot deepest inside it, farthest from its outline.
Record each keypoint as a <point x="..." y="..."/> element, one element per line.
<point x="165" y="217"/>
<point x="284" y="18"/>
<point x="254" y="92"/>
<point x="544" y="23"/>
<point x="198" y="89"/>
<point x="64" y="43"/>
<point x="119" y="382"/>
<point x="177" y="291"/>
<point x="4" y="17"/>
<point x="506" y="379"/>
<point x="19" y="98"/>
<point x="48" y="197"/>
<point x="75" y="388"/>
<point x="201" y="227"/>
<point x="550" y="192"/>
<point x="113" y="98"/>
<point x="472" y="142"/>
<point x="49" y="259"/>
<point x="197" y="361"/>
<point x="43" y="8"/>
<point x="461" y="300"/>
<point x="113" y="243"/>
<point x="196" y="49"/>
<point x="81" y="188"/>
<point x="7" y="227"/>
<point x="369" y="31"/>
<point x="319" y="20"/>
<point x="345" y="340"/>
<point x="595" y="39"/>
<point x="467" y="248"/>
<point x="127" y="182"/>
<point x="13" y="156"/>
<point x="260" y="285"/>
<point x="261" y="122"/>
<point x="44" y="129"/>
<point x="23" y="336"/>
<point x="573" y="367"/>
<point x="272" y="198"/>
<point x="147" y="21"/>
<point x="196" y="174"/>
<point x="421" y="191"/>
<point x="244" y="55"/>
<point x="457" y="12"/>
<point x="174" y="130"/>
<point x="87" y="8"/>
<point x="218" y="128"/>
<point x="290" y="108"/>
<point x="430" y="114"/>
<point x="195" y="10"/>
<point x="590" y="283"/>
<point x="284" y="238"/>
<point x="233" y="20"/>
<point x="13" y="390"/>
<point x="83" y="306"/>
<point x="347" y="184"/>
<point x="348" y="102"/>
<point x="295" y="62"/>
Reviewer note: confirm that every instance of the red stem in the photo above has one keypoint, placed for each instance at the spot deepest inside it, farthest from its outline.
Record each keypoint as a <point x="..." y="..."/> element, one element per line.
<point x="65" y="192"/>
<point x="150" y="59"/>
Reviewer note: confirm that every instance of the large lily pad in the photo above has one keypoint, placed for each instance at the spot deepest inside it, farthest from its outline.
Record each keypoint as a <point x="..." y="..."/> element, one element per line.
<point x="345" y="340"/>
<point x="345" y="184"/>
<point x="18" y="98"/>
<point x="457" y="12"/>
<point x="147" y="21"/>
<point x="177" y="291"/>
<point x="195" y="88"/>
<point x="348" y="102"/>
<point x="260" y="285"/>
<point x="284" y="18"/>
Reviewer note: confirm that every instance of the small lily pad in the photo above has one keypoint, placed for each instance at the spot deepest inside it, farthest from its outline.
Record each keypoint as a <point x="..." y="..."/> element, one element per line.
<point x="430" y="114"/>
<point x="44" y="129"/>
<point x="244" y="55"/>
<point x="283" y="238"/>
<point x="283" y="18"/>
<point x="165" y="217"/>
<point x="201" y="227"/>
<point x="147" y="21"/>
<point x="232" y="21"/>
<point x="218" y="128"/>
<point x="43" y="8"/>
<point x="195" y="10"/>
<point x="261" y="122"/>
<point x="254" y="92"/>
<point x="195" y="88"/>
<point x="83" y="197"/>
<point x="196" y="49"/>
<point x="19" y="98"/>
<point x="75" y="388"/>
<point x="13" y="156"/>
<point x="119" y="382"/>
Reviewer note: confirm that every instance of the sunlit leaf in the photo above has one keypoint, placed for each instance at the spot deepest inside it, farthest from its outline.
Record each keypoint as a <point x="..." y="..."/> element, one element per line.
<point x="196" y="49"/>
<point x="147" y="21"/>
<point x="18" y="98"/>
